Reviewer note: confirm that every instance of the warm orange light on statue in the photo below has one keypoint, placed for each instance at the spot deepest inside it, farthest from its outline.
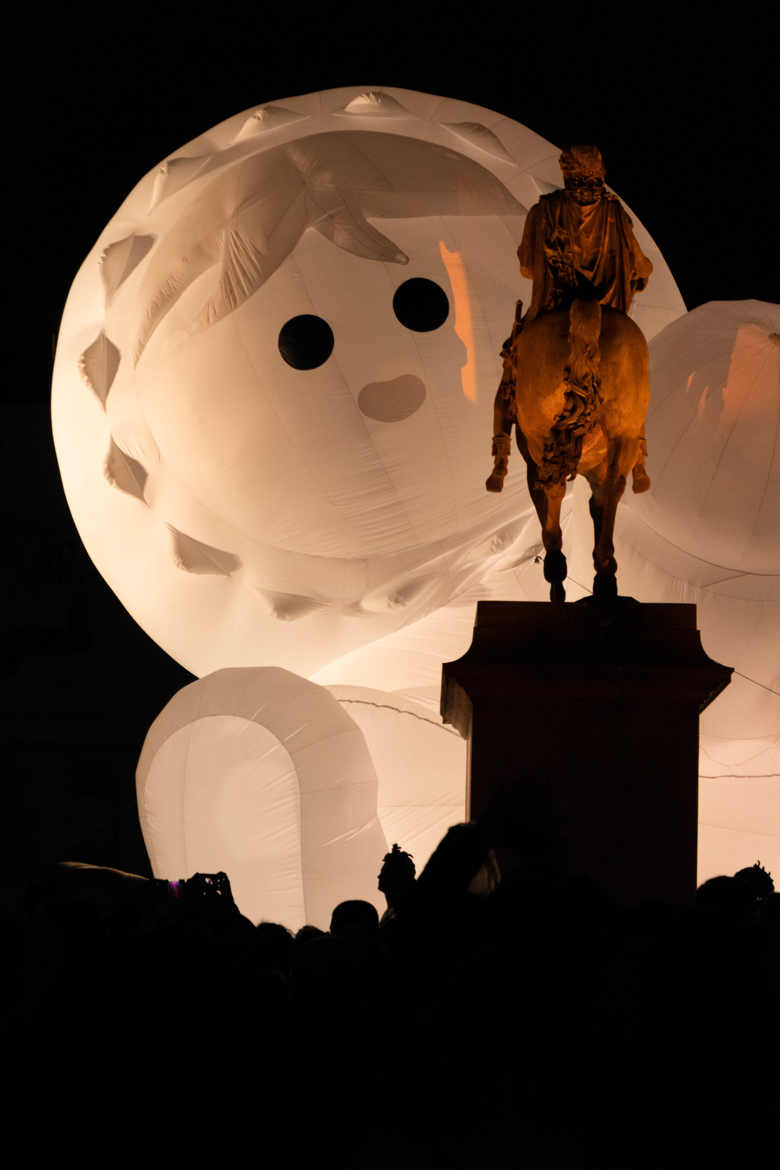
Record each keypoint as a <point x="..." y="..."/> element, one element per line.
<point x="575" y="384"/>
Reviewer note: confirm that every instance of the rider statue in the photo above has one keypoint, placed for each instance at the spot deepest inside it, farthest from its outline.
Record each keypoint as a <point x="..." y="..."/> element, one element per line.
<point x="577" y="244"/>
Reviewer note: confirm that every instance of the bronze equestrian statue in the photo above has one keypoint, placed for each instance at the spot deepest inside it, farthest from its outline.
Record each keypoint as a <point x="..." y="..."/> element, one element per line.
<point x="575" y="383"/>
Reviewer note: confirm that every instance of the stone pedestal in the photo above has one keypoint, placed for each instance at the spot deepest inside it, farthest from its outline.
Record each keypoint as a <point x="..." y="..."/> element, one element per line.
<point x="600" y="705"/>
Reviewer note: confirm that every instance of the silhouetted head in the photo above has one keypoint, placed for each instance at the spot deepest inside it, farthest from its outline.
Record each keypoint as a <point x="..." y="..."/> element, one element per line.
<point x="274" y="944"/>
<point x="454" y="862"/>
<point x="354" y="919"/>
<point x="719" y="893"/>
<point x="754" y="883"/>
<point x="396" y="877"/>
<point x="308" y="933"/>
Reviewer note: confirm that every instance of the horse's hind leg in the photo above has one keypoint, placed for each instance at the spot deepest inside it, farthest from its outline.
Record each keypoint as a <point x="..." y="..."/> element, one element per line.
<point x="604" y="563"/>
<point x="547" y="500"/>
<point x="608" y="482"/>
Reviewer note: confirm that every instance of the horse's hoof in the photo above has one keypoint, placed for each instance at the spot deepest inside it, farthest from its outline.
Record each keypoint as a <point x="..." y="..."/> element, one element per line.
<point x="494" y="482"/>
<point x="554" y="566"/>
<point x="640" y="481"/>
<point x="605" y="588"/>
<point x="557" y="591"/>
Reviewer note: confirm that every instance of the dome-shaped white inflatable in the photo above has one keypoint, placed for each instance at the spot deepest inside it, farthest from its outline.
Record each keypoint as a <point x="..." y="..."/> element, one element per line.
<point x="264" y="776"/>
<point x="273" y="388"/>
<point x="294" y="791"/>
<point x="708" y="532"/>
<point x="712" y="433"/>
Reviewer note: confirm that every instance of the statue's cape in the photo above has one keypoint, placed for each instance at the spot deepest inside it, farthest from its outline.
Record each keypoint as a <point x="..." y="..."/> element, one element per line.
<point x="568" y="250"/>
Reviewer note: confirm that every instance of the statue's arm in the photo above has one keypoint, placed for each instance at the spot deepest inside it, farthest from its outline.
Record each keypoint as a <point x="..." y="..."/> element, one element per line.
<point x="641" y="266"/>
<point x="528" y="245"/>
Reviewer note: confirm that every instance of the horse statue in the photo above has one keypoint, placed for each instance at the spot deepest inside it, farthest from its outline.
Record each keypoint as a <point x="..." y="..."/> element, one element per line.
<point x="575" y="386"/>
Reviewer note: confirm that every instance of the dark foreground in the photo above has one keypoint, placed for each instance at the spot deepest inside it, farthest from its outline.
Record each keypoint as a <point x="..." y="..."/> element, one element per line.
<point x="535" y="1025"/>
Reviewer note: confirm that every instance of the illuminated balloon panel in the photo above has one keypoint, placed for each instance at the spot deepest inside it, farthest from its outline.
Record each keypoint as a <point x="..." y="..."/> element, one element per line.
<point x="420" y="765"/>
<point x="273" y="389"/>
<point x="712" y="435"/>
<point x="263" y="775"/>
<point x="712" y="521"/>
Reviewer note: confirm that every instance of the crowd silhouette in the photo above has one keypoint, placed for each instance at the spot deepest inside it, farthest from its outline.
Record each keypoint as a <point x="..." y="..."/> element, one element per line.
<point x="499" y="1009"/>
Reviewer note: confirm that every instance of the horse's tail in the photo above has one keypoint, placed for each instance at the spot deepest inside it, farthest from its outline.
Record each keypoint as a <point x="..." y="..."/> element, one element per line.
<point x="584" y="352"/>
<point x="582" y="395"/>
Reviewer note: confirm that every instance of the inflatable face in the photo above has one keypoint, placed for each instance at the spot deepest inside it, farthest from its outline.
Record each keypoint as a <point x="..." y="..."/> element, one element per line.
<point x="273" y="390"/>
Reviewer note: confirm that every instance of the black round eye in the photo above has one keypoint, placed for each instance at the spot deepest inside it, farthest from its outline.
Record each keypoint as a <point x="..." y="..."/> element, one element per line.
<point x="305" y="342"/>
<point x="421" y="304"/>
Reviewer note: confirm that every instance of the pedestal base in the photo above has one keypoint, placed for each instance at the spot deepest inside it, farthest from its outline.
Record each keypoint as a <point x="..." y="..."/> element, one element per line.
<point x="593" y="711"/>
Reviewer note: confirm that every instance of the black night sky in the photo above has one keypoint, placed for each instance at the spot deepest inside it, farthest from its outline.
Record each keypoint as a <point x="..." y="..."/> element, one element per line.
<point x="686" y="120"/>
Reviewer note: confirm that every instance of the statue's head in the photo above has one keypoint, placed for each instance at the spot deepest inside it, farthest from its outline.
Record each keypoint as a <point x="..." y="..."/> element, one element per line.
<point x="583" y="173"/>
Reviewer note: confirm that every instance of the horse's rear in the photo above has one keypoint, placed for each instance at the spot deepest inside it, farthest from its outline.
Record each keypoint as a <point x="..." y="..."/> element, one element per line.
<point x="581" y="391"/>
<point x="542" y="353"/>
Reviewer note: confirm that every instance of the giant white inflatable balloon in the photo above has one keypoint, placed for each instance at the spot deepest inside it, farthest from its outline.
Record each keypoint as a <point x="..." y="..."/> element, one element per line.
<point x="713" y="422"/>
<point x="273" y="386"/>
<point x="711" y="525"/>
<point x="263" y="775"/>
<point x="294" y="791"/>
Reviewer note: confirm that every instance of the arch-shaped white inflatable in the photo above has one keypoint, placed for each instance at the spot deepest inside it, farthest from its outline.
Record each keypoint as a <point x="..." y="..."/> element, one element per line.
<point x="263" y="775"/>
<point x="294" y="790"/>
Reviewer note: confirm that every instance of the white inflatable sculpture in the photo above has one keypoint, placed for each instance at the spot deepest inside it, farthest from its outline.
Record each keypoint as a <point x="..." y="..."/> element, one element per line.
<point x="272" y="409"/>
<point x="263" y="775"/>
<point x="274" y="379"/>
<point x="272" y="779"/>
